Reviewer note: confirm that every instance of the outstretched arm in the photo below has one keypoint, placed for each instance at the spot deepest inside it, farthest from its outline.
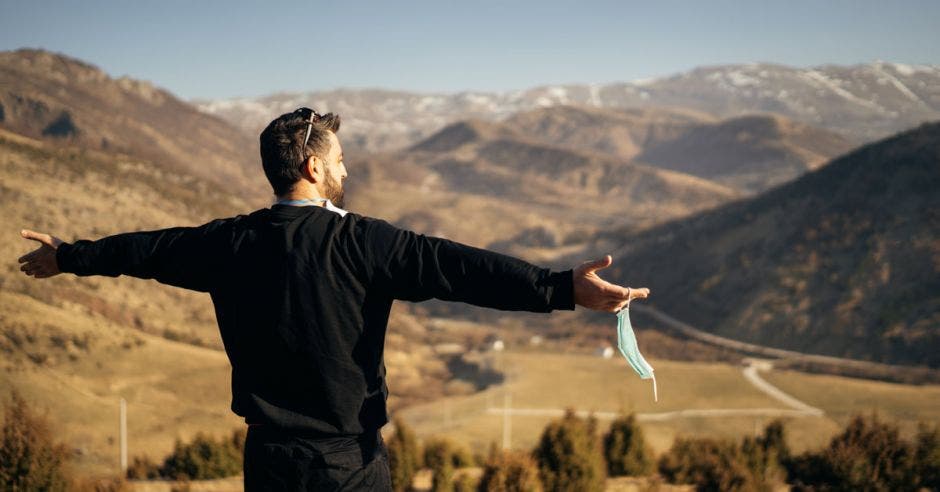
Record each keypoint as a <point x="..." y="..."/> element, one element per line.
<point x="181" y="256"/>
<point x="416" y="267"/>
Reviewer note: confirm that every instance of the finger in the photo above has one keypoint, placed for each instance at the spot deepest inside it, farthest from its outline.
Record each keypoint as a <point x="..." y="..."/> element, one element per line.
<point x="595" y="265"/>
<point x="37" y="236"/>
<point x="29" y="256"/>
<point x="616" y="291"/>
<point x="642" y="293"/>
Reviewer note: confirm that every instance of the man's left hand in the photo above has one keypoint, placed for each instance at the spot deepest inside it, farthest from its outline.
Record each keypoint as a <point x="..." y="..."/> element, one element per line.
<point x="41" y="262"/>
<point x="596" y="293"/>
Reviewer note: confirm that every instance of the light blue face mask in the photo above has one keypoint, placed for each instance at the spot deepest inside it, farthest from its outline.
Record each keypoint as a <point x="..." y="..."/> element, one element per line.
<point x="626" y="342"/>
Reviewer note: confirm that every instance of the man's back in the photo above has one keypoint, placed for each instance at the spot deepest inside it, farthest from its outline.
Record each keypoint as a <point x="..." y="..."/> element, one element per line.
<point x="304" y="337"/>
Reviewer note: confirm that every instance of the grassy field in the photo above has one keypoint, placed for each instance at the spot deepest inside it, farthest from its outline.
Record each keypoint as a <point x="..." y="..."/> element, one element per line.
<point x="841" y="398"/>
<point x="590" y="383"/>
<point x="172" y="389"/>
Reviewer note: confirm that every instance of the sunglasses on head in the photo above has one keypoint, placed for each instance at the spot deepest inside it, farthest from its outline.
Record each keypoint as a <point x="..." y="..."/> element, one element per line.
<point x="312" y="117"/>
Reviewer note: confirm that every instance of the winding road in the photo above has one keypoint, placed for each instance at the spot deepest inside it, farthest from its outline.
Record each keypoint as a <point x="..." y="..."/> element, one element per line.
<point x="751" y="373"/>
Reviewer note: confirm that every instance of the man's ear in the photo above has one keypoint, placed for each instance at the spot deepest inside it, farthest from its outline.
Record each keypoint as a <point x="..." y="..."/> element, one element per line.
<point x="313" y="168"/>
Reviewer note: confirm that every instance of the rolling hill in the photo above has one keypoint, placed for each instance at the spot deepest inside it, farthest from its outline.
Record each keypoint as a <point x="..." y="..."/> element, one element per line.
<point x="749" y="153"/>
<point x="60" y="99"/>
<point x="485" y="184"/>
<point x="843" y="261"/>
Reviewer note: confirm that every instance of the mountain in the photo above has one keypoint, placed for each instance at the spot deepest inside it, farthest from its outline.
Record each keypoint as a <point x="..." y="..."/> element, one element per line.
<point x="486" y="184"/>
<point x="60" y="99"/>
<point x="749" y="153"/>
<point x="863" y="102"/>
<point x="843" y="261"/>
<point x="622" y="133"/>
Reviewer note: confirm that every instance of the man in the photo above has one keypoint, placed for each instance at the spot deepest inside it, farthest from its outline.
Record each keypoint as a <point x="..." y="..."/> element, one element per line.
<point x="302" y="293"/>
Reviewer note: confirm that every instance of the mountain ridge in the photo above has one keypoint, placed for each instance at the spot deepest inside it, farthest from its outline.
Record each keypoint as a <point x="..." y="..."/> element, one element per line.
<point x="863" y="101"/>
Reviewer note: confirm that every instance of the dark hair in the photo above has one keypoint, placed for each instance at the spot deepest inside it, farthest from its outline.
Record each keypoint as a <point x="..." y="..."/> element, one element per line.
<point x="281" y="154"/>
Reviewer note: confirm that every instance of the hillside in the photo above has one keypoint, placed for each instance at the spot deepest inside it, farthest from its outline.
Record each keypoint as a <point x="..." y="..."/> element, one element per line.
<point x="59" y="99"/>
<point x="486" y="184"/>
<point x="844" y="261"/>
<point x="748" y="153"/>
<point x="622" y="133"/>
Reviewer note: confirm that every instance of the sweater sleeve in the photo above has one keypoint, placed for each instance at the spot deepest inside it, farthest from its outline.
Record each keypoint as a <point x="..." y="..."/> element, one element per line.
<point x="187" y="257"/>
<point x="416" y="267"/>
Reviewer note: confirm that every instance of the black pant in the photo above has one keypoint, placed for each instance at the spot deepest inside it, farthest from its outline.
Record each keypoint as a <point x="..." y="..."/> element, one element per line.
<point x="280" y="461"/>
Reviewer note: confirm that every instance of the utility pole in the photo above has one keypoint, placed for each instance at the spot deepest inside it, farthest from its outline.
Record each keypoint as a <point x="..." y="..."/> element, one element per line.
<point x="446" y="413"/>
<point x="507" y="420"/>
<point x="123" y="433"/>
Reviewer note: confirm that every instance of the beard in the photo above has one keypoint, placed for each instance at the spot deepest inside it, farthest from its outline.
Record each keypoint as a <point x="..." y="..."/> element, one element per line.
<point x="334" y="190"/>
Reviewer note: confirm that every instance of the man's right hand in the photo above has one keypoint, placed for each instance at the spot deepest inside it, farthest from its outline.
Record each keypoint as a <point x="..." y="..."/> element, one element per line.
<point x="596" y="293"/>
<point x="41" y="262"/>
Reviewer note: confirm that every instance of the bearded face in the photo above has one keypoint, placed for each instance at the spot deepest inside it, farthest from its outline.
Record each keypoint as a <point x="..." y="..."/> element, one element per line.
<point x="333" y="189"/>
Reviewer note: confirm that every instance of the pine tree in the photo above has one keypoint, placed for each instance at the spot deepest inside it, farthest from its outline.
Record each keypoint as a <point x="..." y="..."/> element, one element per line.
<point x="509" y="471"/>
<point x="625" y="448"/>
<point x="439" y="457"/>
<point x="569" y="455"/>
<point x="403" y="456"/>
<point x="29" y="458"/>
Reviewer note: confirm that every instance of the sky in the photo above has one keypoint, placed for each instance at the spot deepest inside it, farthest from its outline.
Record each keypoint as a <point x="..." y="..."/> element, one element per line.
<point x="211" y="49"/>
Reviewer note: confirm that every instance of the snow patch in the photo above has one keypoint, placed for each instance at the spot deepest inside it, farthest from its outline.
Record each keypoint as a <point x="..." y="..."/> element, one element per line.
<point x="559" y="93"/>
<point x="543" y="102"/>
<point x="741" y="79"/>
<point x="428" y="101"/>
<point x="594" y="98"/>
<point x="908" y="70"/>
<point x="819" y="79"/>
<point x="903" y="89"/>
<point x="645" y="81"/>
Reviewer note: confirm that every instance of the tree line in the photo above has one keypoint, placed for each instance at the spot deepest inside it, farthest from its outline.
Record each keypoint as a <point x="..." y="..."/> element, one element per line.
<point x="571" y="455"/>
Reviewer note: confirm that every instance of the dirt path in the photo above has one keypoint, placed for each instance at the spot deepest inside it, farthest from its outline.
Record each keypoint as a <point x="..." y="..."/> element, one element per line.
<point x="751" y="374"/>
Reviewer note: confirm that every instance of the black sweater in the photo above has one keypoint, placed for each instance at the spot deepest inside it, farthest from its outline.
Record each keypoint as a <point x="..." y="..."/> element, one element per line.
<point x="302" y="297"/>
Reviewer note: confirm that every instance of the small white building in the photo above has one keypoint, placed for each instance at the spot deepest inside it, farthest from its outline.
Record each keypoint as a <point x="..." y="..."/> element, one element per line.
<point x="605" y="352"/>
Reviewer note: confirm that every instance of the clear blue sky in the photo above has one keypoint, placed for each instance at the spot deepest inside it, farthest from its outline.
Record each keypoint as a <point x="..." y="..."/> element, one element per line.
<point x="212" y="49"/>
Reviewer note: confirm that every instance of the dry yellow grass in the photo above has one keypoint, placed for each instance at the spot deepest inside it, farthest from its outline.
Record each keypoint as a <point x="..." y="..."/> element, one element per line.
<point x="841" y="398"/>
<point x="172" y="389"/>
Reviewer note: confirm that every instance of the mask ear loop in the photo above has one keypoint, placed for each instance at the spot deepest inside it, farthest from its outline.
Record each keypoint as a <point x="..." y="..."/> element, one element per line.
<point x="655" y="393"/>
<point x="627" y="305"/>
